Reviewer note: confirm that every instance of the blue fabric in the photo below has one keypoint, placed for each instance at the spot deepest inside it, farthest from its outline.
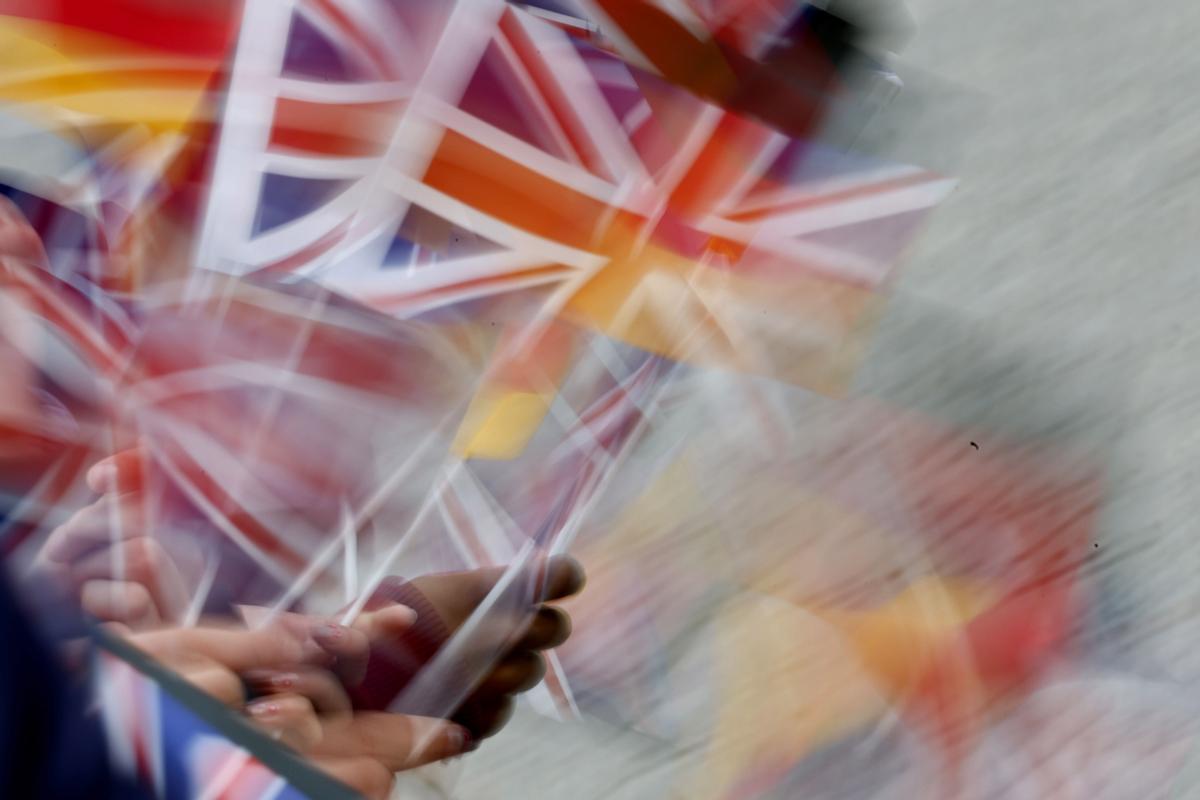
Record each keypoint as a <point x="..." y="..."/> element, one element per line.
<point x="51" y="746"/>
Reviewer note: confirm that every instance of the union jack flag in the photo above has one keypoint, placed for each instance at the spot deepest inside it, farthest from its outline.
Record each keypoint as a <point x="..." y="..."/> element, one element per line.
<point x="417" y="154"/>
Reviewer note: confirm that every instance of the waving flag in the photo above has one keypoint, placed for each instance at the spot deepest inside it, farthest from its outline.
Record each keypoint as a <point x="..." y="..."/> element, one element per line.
<point x="504" y="151"/>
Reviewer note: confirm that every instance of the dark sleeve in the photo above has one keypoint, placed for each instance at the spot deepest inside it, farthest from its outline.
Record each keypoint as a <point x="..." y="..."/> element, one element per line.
<point x="50" y="745"/>
<point x="392" y="665"/>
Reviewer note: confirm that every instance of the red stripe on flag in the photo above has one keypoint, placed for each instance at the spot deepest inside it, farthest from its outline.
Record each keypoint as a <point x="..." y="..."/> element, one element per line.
<point x="361" y="129"/>
<point x="193" y="29"/>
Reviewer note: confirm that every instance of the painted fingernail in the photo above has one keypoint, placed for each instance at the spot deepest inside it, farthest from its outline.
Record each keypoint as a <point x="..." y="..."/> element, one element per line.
<point x="285" y="680"/>
<point x="329" y="632"/>
<point x="263" y="709"/>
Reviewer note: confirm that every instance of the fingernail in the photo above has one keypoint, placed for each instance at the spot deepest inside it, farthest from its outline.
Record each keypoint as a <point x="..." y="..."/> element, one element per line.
<point x="329" y="632"/>
<point x="461" y="740"/>
<point x="457" y="738"/>
<point x="263" y="709"/>
<point x="284" y="681"/>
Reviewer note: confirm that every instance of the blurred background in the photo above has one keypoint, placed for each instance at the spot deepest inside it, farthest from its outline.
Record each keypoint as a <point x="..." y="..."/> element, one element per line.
<point x="1054" y="293"/>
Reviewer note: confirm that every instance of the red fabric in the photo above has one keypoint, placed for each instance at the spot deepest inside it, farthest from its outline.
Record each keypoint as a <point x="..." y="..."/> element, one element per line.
<point x="193" y="29"/>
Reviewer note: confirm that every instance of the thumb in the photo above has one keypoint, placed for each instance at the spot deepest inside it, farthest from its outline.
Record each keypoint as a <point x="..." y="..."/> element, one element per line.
<point x="386" y="623"/>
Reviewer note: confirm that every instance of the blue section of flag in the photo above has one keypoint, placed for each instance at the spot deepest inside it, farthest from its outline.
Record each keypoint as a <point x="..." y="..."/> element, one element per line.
<point x="311" y="54"/>
<point x="284" y="198"/>
<point x="182" y="752"/>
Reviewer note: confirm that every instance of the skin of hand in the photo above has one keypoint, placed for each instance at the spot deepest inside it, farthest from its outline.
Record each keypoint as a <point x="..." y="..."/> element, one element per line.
<point x="298" y="664"/>
<point x="149" y="591"/>
<point x="105" y="557"/>
<point x="537" y="627"/>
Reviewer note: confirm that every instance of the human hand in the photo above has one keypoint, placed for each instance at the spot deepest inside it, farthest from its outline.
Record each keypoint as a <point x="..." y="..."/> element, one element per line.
<point x="505" y="653"/>
<point x="296" y="666"/>
<point x="107" y="558"/>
